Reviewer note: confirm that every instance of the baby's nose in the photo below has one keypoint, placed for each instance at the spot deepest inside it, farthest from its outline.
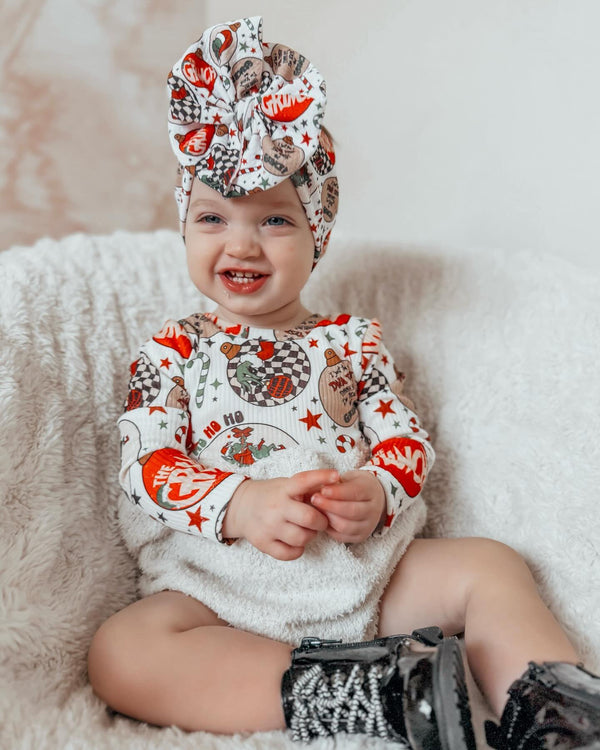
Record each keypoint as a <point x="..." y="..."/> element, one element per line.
<point x="243" y="244"/>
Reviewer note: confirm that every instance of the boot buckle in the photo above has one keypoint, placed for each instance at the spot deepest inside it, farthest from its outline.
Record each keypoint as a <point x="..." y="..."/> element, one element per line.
<point x="311" y="642"/>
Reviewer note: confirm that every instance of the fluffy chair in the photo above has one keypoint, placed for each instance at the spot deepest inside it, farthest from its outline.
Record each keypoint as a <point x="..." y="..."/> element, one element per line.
<point x="500" y="351"/>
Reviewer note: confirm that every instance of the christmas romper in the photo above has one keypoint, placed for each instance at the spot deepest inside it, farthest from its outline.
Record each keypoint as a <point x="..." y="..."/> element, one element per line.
<point x="209" y="406"/>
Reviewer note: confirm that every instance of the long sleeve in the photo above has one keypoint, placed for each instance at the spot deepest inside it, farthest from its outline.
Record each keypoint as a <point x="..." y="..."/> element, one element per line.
<point x="158" y="472"/>
<point x="401" y="452"/>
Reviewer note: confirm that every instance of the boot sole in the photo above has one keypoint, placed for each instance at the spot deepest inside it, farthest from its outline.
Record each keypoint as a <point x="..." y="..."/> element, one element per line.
<point x="451" y="699"/>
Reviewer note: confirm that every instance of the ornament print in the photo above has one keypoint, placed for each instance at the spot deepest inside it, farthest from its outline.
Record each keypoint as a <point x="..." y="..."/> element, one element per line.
<point x="267" y="373"/>
<point x="144" y="385"/>
<point x="223" y="42"/>
<point x="337" y="388"/>
<point x="176" y="482"/>
<point x="405" y="460"/>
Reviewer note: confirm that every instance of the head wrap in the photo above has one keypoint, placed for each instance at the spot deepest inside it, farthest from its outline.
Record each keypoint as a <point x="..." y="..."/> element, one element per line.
<point x="245" y="115"/>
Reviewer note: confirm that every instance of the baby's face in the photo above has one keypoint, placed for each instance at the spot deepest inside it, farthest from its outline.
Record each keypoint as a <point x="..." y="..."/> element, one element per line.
<point x="251" y="255"/>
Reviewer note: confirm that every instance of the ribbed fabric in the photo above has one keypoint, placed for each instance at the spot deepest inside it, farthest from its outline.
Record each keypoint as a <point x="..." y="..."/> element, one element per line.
<point x="209" y="406"/>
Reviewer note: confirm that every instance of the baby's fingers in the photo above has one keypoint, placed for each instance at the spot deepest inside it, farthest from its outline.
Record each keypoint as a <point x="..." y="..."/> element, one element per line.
<point x="351" y="491"/>
<point x="345" y="538"/>
<point x="306" y="516"/>
<point x="282" y="551"/>
<point x="307" y="482"/>
<point x="348" y="510"/>
<point x="345" y="530"/>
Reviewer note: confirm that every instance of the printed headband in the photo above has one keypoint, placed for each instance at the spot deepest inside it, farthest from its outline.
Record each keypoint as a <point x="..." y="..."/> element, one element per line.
<point x="245" y="115"/>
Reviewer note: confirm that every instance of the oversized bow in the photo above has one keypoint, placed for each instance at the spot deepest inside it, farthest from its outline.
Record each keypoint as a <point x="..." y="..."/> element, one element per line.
<point x="245" y="115"/>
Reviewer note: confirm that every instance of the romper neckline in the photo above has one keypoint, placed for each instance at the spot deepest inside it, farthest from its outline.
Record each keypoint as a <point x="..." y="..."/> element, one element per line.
<point x="252" y="332"/>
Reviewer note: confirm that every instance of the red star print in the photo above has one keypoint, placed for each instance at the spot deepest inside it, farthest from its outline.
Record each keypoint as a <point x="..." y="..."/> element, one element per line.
<point x="165" y="363"/>
<point x="196" y="518"/>
<point x="313" y="228"/>
<point x="306" y="138"/>
<point x="217" y="118"/>
<point x="364" y="361"/>
<point x="384" y="359"/>
<point x="389" y="518"/>
<point x="232" y="132"/>
<point x="347" y="350"/>
<point x="313" y="342"/>
<point x="385" y="407"/>
<point x="311" y="420"/>
<point x="157" y="408"/>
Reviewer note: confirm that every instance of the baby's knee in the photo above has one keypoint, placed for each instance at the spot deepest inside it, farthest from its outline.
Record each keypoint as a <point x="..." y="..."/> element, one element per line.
<point x="490" y="559"/>
<point x="111" y="662"/>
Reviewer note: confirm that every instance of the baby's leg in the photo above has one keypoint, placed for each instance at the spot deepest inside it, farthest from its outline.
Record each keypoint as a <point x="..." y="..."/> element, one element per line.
<point x="485" y="589"/>
<point x="168" y="659"/>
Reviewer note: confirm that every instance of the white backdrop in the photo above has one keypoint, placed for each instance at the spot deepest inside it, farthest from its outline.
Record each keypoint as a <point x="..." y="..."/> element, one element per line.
<point x="482" y="128"/>
<point x="470" y="124"/>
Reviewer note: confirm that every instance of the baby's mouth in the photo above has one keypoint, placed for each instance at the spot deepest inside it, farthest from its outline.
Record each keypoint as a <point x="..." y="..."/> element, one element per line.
<point x="242" y="277"/>
<point x="243" y="282"/>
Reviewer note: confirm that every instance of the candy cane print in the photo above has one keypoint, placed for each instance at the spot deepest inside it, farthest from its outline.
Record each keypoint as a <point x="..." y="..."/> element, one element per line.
<point x="205" y="359"/>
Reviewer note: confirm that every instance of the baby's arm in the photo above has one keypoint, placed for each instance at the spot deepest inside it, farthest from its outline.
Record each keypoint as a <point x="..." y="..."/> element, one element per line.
<point x="158" y="470"/>
<point x="370" y="499"/>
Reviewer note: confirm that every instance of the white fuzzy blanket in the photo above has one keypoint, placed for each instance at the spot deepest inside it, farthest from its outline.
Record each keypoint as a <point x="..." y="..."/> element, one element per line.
<point x="501" y="356"/>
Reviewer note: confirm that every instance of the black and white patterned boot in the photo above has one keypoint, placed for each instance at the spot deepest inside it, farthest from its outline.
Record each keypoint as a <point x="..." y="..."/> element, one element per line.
<point x="553" y="705"/>
<point x="410" y="689"/>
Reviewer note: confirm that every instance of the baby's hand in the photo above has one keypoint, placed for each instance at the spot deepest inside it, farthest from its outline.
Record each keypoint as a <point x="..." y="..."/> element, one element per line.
<point x="275" y="515"/>
<point x="353" y="507"/>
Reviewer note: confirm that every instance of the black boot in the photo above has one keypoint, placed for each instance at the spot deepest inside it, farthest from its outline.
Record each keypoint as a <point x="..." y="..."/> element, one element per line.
<point x="553" y="705"/>
<point x="406" y="688"/>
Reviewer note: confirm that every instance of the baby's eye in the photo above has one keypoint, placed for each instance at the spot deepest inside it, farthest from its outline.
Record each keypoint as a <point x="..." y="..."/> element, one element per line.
<point x="210" y="219"/>
<point x="276" y="221"/>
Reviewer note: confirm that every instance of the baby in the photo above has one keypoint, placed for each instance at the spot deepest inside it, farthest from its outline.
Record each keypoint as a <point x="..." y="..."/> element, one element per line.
<point x="274" y="473"/>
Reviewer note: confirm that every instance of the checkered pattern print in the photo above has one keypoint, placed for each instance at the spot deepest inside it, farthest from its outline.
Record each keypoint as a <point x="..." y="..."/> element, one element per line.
<point x="220" y="167"/>
<point x="182" y="108"/>
<point x="322" y="161"/>
<point x="288" y="365"/>
<point x="375" y="383"/>
<point x="144" y="385"/>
